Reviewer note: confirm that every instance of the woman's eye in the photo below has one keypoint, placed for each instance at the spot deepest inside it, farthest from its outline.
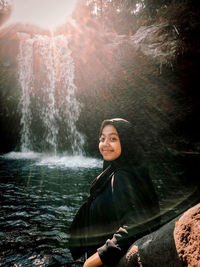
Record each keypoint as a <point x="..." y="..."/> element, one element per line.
<point x="101" y="139"/>
<point x="112" y="139"/>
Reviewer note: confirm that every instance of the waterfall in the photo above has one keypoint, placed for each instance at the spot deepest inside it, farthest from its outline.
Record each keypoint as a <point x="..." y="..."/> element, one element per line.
<point x="25" y="79"/>
<point x="48" y="104"/>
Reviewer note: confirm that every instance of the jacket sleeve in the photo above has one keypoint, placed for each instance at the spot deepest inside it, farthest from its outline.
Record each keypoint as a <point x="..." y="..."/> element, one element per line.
<point x="134" y="202"/>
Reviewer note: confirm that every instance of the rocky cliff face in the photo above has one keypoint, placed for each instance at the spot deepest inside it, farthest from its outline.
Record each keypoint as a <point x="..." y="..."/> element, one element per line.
<point x="9" y="93"/>
<point x="145" y="77"/>
<point x="5" y="11"/>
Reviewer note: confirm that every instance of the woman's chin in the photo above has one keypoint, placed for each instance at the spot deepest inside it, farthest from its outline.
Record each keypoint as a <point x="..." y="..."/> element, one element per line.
<point x="109" y="158"/>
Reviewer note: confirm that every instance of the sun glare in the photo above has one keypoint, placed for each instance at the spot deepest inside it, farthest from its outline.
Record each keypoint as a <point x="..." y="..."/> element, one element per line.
<point x="43" y="13"/>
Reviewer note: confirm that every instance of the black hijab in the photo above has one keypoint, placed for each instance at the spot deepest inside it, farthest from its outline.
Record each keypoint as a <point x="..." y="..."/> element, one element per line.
<point x="131" y="153"/>
<point x="129" y="160"/>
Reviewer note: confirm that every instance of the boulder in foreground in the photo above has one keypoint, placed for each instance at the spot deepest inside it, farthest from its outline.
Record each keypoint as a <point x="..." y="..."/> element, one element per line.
<point x="187" y="237"/>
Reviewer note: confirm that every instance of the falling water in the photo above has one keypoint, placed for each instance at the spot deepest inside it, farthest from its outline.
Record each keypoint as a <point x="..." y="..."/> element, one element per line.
<point x="25" y="78"/>
<point x="46" y="77"/>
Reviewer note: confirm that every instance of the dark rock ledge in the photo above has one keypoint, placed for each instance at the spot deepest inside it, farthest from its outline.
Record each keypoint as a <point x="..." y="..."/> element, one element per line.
<point x="175" y="244"/>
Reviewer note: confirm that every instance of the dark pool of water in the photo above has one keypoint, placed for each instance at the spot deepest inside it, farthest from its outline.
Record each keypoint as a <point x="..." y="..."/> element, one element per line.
<point x="38" y="202"/>
<point x="39" y="196"/>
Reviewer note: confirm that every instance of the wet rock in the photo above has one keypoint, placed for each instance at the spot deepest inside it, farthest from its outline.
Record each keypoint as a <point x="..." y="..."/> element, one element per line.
<point x="187" y="237"/>
<point x="155" y="249"/>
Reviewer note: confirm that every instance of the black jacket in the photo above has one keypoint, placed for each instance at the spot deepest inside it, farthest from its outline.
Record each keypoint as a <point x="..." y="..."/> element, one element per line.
<point x="122" y="207"/>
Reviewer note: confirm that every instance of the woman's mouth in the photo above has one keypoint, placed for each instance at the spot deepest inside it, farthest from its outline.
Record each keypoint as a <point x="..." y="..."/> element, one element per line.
<point x="106" y="151"/>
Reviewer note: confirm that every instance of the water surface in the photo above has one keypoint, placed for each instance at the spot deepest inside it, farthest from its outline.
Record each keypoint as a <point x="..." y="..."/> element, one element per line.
<point x="40" y="195"/>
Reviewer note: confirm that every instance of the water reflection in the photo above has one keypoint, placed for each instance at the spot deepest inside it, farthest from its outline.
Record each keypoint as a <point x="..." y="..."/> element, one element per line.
<point x="38" y="203"/>
<point x="40" y="194"/>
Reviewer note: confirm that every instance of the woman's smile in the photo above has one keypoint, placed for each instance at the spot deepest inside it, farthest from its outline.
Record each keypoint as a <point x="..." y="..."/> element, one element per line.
<point x="106" y="151"/>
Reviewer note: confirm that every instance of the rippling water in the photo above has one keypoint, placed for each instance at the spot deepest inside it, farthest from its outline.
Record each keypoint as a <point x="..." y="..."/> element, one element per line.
<point x="40" y="195"/>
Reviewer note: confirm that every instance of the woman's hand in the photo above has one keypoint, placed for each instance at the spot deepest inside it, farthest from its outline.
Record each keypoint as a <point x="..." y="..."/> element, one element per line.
<point x="93" y="261"/>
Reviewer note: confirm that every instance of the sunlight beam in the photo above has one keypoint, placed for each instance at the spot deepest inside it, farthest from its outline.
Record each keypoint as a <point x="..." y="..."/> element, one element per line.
<point x="46" y="14"/>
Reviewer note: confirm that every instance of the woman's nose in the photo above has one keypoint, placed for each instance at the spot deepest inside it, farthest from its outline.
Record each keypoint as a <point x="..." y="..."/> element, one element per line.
<point x="106" y="141"/>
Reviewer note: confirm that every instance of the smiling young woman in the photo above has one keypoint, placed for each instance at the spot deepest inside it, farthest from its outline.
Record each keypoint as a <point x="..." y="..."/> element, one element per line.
<point x="122" y="205"/>
<point x="109" y="143"/>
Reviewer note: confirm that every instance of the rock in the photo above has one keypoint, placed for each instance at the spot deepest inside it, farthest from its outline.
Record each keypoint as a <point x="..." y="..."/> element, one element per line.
<point x="175" y="244"/>
<point x="5" y="11"/>
<point x="187" y="237"/>
<point x="153" y="250"/>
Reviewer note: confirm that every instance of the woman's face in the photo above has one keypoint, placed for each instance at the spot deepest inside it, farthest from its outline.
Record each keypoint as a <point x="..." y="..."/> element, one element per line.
<point x="109" y="143"/>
